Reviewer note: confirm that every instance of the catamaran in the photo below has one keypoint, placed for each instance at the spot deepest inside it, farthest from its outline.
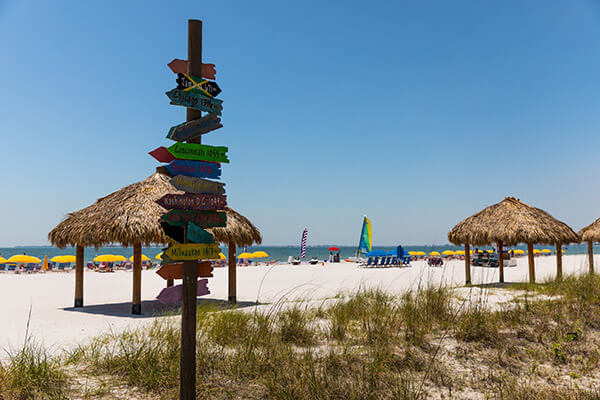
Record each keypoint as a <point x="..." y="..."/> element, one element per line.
<point x="365" y="242"/>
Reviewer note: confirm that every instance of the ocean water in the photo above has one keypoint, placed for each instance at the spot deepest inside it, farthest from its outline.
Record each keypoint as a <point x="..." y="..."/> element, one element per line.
<point x="276" y="253"/>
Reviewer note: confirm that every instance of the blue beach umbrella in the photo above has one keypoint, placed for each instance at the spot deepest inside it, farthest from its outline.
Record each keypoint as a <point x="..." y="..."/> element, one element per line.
<point x="376" y="253"/>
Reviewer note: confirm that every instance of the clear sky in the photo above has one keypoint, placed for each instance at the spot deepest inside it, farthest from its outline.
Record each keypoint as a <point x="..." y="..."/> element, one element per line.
<point x="416" y="113"/>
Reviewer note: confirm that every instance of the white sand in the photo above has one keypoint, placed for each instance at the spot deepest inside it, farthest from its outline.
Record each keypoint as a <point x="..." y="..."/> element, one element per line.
<point x="107" y="296"/>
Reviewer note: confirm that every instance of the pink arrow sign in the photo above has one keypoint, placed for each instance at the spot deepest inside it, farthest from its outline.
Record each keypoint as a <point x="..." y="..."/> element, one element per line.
<point x="173" y="294"/>
<point x="178" y="66"/>
<point x="162" y="155"/>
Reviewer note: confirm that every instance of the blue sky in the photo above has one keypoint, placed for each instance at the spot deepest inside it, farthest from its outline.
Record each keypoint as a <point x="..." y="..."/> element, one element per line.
<point x="416" y="113"/>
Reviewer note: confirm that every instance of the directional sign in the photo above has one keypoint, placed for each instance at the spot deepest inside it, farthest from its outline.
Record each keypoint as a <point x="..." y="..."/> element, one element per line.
<point x="196" y="169"/>
<point x="199" y="152"/>
<point x="197" y="185"/>
<point x="194" y="84"/>
<point x="193" y="251"/>
<point x="175" y="271"/>
<point x="193" y="201"/>
<point x="196" y="101"/>
<point x="192" y="129"/>
<point x="174" y="294"/>
<point x="181" y="67"/>
<point x="198" y="235"/>
<point x="162" y="154"/>
<point x="204" y="219"/>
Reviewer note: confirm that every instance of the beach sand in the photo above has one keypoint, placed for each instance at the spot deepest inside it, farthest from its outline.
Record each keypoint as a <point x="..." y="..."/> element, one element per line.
<point x="107" y="296"/>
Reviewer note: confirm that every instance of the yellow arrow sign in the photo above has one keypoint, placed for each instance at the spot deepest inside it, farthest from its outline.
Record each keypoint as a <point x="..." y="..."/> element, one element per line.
<point x="193" y="251"/>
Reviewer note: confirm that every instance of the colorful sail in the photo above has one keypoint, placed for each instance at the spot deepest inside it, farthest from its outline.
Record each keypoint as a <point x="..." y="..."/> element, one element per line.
<point x="366" y="239"/>
<point x="303" y="243"/>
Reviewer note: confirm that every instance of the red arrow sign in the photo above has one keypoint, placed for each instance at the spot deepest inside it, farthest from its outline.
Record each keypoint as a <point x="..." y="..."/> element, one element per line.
<point x="162" y="155"/>
<point x="175" y="271"/>
<point x="178" y="66"/>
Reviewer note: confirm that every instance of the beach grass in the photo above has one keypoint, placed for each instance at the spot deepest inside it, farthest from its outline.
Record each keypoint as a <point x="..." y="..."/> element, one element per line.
<point x="371" y="344"/>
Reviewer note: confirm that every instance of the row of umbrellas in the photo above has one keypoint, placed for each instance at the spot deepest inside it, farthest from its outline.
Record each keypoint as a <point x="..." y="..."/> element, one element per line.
<point x="462" y="252"/>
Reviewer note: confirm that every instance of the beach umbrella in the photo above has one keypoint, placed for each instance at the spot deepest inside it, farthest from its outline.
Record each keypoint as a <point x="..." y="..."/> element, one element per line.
<point x="448" y="253"/>
<point x="109" y="258"/>
<point x="222" y="256"/>
<point x="413" y="253"/>
<point x="159" y="256"/>
<point x="536" y="251"/>
<point x="518" y="251"/>
<point x="333" y="249"/>
<point x="23" y="259"/>
<point x="459" y="252"/>
<point x="376" y="253"/>
<point x="421" y="253"/>
<point x="2" y="260"/>
<point x="547" y="251"/>
<point x="63" y="259"/>
<point x="434" y="253"/>
<point x="260" y="254"/>
<point x="490" y="251"/>
<point x="144" y="258"/>
<point x="246" y="255"/>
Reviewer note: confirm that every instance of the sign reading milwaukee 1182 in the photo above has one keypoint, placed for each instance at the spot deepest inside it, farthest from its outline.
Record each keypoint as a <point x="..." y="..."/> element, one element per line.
<point x="193" y="251"/>
<point x="193" y="201"/>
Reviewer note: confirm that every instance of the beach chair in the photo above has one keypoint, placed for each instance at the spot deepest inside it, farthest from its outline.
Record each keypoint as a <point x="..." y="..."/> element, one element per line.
<point x="406" y="260"/>
<point x="11" y="267"/>
<point x="381" y="262"/>
<point x="394" y="261"/>
<point x="369" y="262"/>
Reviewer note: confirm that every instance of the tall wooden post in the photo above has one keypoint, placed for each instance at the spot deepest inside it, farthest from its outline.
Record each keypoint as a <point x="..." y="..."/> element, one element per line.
<point x="136" y="303"/>
<point x="187" y="364"/>
<point x="500" y="262"/>
<point x="531" y="262"/>
<point x="232" y="274"/>
<point x="467" y="264"/>
<point x="559" y="261"/>
<point x="591" y="255"/>
<point x="79" y="276"/>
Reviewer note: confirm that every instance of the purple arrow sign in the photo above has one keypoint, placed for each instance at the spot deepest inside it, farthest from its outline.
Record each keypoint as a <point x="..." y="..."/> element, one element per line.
<point x="192" y="201"/>
<point x="196" y="169"/>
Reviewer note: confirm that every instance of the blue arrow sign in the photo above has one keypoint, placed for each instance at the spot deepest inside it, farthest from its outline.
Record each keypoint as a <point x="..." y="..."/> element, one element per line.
<point x="196" y="169"/>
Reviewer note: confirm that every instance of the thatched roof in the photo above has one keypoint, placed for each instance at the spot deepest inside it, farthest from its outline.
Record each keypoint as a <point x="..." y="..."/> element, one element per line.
<point x="591" y="232"/>
<point x="131" y="215"/>
<point x="511" y="221"/>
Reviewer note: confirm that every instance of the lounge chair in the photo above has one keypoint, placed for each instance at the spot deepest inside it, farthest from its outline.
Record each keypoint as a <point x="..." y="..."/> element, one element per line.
<point x="394" y="261"/>
<point x="369" y="262"/>
<point x="381" y="262"/>
<point x="11" y="267"/>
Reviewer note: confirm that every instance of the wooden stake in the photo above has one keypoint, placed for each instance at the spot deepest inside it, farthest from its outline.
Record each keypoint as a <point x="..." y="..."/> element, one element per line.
<point x="500" y="262"/>
<point x="136" y="304"/>
<point x="531" y="262"/>
<point x="187" y="363"/>
<point x="591" y="255"/>
<point x="467" y="264"/>
<point x="232" y="274"/>
<point x="558" y="261"/>
<point x="79" y="276"/>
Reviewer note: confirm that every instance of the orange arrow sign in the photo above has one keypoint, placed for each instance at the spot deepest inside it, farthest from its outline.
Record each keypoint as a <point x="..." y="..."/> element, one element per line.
<point x="178" y="66"/>
<point x="175" y="271"/>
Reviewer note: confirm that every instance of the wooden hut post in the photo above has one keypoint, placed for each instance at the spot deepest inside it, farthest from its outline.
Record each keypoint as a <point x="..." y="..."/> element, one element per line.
<point x="591" y="255"/>
<point x="136" y="303"/>
<point x="558" y="261"/>
<point x="500" y="262"/>
<point x="467" y="264"/>
<point x="232" y="274"/>
<point x="79" y="276"/>
<point x="531" y="262"/>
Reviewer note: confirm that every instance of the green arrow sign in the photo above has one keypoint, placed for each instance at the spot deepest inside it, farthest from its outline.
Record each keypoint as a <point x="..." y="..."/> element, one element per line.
<point x="199" y="152"/>
<point x="198" y="235"/>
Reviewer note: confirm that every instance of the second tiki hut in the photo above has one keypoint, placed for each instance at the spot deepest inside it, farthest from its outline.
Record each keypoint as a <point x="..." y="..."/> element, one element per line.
<point x="509" y="223"/>
<point x="131" y="217"/>
<point x="591" y="234"/>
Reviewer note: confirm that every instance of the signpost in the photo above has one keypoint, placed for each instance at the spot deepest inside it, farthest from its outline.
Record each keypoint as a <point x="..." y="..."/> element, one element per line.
<point x="192" y="129"/>
<point x="196" y="169"/>
<point x="197" y="185"/>
<point x="178" y="66"/>
<point x="198" y="235"/>
<point x="200" y="152"/>
<point x="193" y="201"/>
<point x="175" y="271"/>
<point x="204" y="219"/>
<point x="196" y="101"/>
<point x="193" y="251"/>
<point x="195" y="84"/>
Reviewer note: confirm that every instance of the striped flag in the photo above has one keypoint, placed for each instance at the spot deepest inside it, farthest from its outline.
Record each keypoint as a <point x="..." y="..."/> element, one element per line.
<point x="303" y="243"/>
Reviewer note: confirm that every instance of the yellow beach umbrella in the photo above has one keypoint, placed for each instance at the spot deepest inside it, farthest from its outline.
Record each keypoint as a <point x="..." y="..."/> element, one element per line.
<point x="109" y="258"/>
<point x="518" y="251"/>
<point x="260" y="254"/>
<point x="246" y="255"/>
<point x="490" y="251"/>
<point x="144" y="258"/>
<point x="159" y="256"/>
<point x="2" y="260"/>
<point x="448" y="253"/>
<point x="222" y="256"/>
<point x="434" y="253"/>
<point x="459" y="252"/>
<point x="536" y="251"/>
<point x="23" y="259"/>
<point x="421" y="253"/>
<point x="63" y="259"/>
<point x="413" y="253"/>
<point x="547" y="251"/>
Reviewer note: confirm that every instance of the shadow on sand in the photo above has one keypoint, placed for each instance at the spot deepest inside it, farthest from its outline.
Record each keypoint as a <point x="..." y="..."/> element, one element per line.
<point x="505" y="285"/>
<point x="154" y="308"/>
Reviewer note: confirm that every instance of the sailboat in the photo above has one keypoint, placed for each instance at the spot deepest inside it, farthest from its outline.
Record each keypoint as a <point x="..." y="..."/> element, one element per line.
<point x="365" y="242"/>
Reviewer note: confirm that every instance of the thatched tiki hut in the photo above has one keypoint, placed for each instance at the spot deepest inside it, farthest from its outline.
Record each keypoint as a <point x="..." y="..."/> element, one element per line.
<point x="131" y="217"/>
<point x="591" y="234"/>
<point x="509" y="223"/>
